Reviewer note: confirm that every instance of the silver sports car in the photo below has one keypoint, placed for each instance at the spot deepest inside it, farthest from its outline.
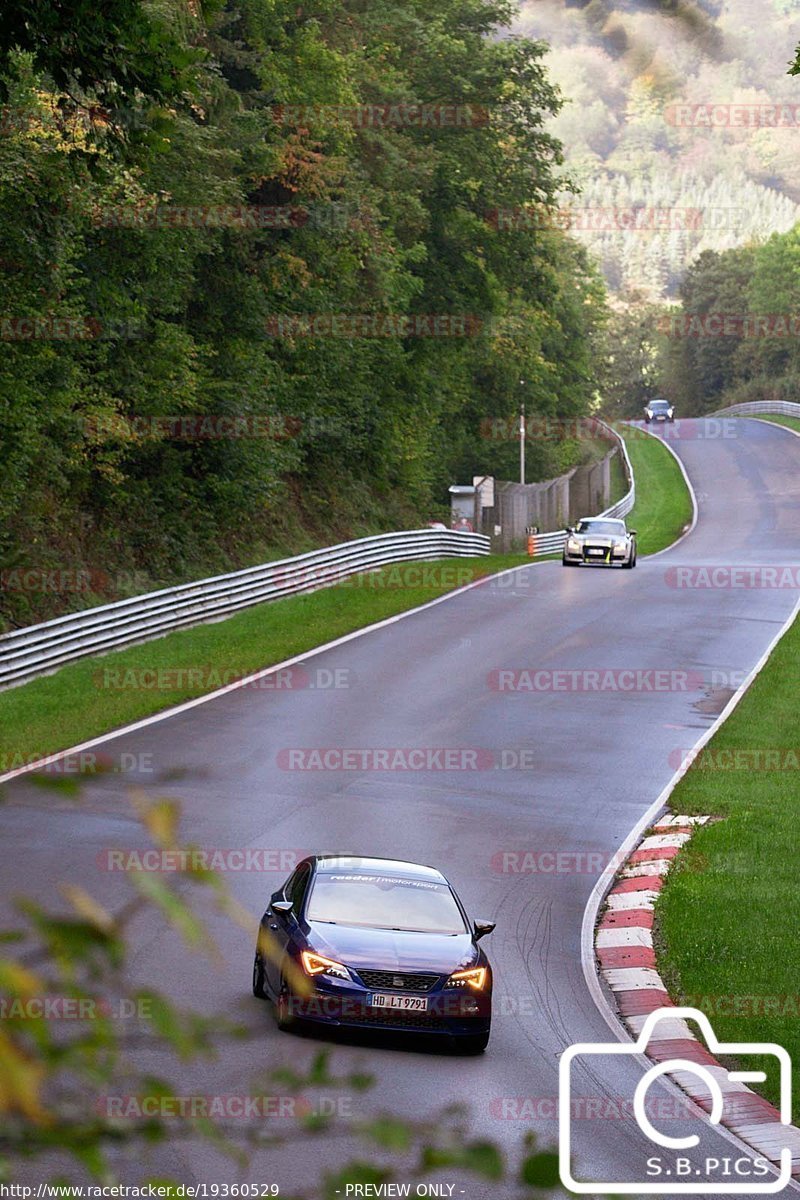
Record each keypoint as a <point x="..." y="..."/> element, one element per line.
<point x="600" y="542"/>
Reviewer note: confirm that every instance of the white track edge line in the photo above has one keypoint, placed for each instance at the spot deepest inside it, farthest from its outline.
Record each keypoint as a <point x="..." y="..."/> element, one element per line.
<point x="689" y="488"/>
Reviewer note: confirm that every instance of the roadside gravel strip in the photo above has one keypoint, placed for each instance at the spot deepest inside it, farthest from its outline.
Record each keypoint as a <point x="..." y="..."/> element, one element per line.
<point x="627" y="962"/>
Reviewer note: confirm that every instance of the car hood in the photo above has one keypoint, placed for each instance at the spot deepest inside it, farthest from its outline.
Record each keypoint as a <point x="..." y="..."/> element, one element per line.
<point x="392" y="950"/>
<point x="598" y="539"/>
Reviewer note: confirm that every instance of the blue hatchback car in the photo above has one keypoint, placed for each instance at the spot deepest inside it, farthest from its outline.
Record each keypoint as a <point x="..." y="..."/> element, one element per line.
<point x="375" y="943"/>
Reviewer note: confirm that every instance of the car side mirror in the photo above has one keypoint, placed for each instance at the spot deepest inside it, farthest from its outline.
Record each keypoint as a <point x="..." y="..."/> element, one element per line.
<point x="281" y="906"/>
<point x="481" y="928"/>
<point x="632" y="532"/>
<point x="569" y="529"/>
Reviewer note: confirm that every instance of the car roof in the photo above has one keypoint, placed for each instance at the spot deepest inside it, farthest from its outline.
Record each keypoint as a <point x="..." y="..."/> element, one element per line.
<point x="609" y="520"/>
<point x="660" y="400"/>
<point x="366" y="865"/>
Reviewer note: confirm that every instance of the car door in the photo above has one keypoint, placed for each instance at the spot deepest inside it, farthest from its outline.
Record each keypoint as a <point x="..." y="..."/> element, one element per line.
<point x="283" y="925"/>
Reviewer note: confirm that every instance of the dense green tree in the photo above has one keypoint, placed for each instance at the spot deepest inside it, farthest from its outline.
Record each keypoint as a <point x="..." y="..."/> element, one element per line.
<point x="140" y="317"/>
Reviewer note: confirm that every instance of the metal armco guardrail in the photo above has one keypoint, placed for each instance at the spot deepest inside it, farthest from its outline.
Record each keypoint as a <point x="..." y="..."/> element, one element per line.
<point x="553" y="543"/>
<point x="38" y="649"/>
<point x="784" y="408"/>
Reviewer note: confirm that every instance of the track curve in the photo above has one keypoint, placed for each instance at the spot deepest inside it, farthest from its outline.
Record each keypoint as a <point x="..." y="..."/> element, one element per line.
<point x="580" y="768"/>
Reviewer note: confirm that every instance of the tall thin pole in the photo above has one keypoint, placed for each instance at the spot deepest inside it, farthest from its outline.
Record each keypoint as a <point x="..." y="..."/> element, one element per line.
<point x="522" y="442"/>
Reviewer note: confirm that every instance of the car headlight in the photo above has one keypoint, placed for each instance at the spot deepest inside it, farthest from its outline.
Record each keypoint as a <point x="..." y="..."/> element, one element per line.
<point x="474" y="978"/>
<point x="623" y="545"/>
<point x="647" y="412"/>
<point x="669" y="412"/>
<point x="318" y="964"/>
<point x="573" y="544"/>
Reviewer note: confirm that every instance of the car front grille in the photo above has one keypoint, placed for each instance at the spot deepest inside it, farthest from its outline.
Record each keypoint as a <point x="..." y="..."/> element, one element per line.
<point x="393" y="1020"/>
<point x="595" y="557"/>
<point x="398" y="981"/>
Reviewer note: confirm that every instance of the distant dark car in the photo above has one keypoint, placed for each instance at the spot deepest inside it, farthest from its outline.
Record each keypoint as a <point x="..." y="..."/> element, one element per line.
<point x="376" y="944"/>
<point x="659" y="410"/>
<point x="600" y="542"/>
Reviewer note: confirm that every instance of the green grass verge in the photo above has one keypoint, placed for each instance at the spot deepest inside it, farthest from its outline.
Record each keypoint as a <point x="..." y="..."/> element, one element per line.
<point x="727" y="917"/>
<point x="775" y="419"/>
<point x="81" y="700"/>
<point x="663" y="505"/>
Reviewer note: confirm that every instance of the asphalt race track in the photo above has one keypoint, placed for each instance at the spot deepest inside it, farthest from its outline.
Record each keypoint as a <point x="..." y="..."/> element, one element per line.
<point x="569" y="771"/>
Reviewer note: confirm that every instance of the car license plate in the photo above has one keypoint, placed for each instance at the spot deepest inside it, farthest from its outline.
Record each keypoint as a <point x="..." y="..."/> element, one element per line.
<point x="405" y="1003"/>
<point x="596" y="551"/>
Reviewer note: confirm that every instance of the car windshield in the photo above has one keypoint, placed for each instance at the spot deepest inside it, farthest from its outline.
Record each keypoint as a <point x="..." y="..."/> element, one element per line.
<point x="603" y="528"/>
<point x="659" y="404"/>
<point x="385" y="902"/>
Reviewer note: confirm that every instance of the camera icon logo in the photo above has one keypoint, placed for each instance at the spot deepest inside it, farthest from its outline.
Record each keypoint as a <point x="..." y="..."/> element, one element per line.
<point x="761" y="1182"/>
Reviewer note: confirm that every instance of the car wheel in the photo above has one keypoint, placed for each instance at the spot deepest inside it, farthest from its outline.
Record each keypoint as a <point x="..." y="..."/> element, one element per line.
<point x="258" y="977"/>
<point x="566" y="563"/>
<point x="475" y="1043"/>
<point x="283" y="1015"/>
